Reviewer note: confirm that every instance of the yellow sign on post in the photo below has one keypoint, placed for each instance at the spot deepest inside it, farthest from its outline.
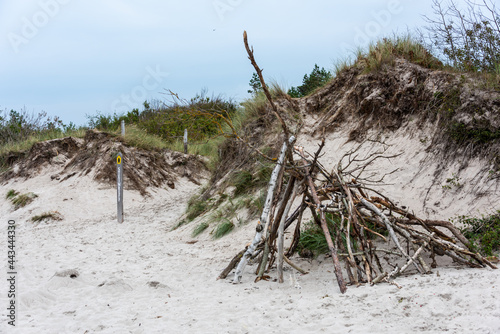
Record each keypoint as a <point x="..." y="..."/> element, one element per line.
<point x="119" y="188"/>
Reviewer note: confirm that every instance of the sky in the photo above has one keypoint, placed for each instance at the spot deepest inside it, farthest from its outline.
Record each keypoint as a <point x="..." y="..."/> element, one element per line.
<point x="72" y="58"/>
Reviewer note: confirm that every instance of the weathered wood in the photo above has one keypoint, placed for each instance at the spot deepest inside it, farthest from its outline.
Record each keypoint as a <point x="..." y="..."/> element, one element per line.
<point x="392" y="234"/>
<point x="281" y="234"/>
<point x="185" y="139"/>
<point x="270" y="238"/>
<point x="265" y="212"/>
<point x="324" y="226"/>
<point x="410" y="261"/>
<point x="294" y="266"/>
<point x="231" y="265"/>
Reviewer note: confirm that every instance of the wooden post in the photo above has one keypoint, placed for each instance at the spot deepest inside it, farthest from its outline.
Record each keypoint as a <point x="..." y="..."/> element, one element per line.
<point x="123" y="127"/>
<point x="185" y="141"/>
<point x="119" y="181"/>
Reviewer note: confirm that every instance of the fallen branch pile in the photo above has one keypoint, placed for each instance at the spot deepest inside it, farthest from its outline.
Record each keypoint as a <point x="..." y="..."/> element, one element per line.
<point x="350" y="214"/>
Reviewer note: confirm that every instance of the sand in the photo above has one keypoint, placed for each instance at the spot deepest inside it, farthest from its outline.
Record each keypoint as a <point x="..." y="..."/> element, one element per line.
<point x="89" y="274"/>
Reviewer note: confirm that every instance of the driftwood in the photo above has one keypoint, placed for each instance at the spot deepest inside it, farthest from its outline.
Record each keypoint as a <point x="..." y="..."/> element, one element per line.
<point x="361" y="216"/>
<point x="351" y="215"/>
<point x="265" y="213"/>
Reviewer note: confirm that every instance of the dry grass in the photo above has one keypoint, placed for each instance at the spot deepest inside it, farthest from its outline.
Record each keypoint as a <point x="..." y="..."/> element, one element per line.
<point x="385" y="51"/>
<point x="46" y="216"/>
<point x="22" y="200"/>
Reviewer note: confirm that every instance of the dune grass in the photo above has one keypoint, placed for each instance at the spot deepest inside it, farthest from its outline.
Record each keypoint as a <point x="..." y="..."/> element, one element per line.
<point x="386" y="50"/>
<point x="22" y="200"/>
<point x="11" y="194"/>
<point x="223" y="228"/>
<point x="141" y="139"/>
<point x="199" y="229"/>
<point x="26" y="144"/>
<point x="50" y="215"/>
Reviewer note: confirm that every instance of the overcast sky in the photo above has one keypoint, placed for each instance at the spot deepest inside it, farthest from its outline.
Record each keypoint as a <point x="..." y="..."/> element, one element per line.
<point x="73" y="57"/>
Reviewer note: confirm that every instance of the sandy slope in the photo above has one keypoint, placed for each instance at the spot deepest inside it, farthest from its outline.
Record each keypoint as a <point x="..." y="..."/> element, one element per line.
<point x="141" y="277"/>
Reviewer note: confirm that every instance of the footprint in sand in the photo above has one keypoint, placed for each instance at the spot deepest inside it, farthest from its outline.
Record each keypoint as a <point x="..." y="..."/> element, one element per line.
<point x="69" y="278"/>
<point x="115" y="285"/>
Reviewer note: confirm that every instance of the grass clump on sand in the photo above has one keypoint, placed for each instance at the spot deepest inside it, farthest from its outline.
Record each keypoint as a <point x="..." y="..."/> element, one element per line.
<point x="50" y="215"/>
<point x="11" y="194"/>
<point x="196" y="207"/>
<point x="223" y="228"/>
<point x="199" y="229"/>
<point x="22" y="200"/>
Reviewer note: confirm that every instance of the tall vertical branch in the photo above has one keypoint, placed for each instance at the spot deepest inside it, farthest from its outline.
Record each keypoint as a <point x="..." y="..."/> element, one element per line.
<point x="264" y="86"/>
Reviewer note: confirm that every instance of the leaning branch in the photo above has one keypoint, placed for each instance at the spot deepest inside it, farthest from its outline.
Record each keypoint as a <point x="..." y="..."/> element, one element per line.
<point x="264" y="86"/>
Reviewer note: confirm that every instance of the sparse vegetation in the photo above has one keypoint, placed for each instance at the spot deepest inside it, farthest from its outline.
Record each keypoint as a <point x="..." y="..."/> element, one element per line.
<point x="243" y="182"/>
<point x="313" y="240"/>
<point x="11" y="194"/>
<point x="196" y="206"/>
<point x="51" y="215"/>
<point x="179" y="224"/>
<point x="223" y="228"/>
<point x="467" y="37"/>
<point x="141" y="139"/>
<point x="385" y="51"/>
<point x="22" y="200"/>
<point x="199" y="229"/>
<point x="483" y="233"/>
<point x="453" y="182"/>
<point x="19" y="130"/>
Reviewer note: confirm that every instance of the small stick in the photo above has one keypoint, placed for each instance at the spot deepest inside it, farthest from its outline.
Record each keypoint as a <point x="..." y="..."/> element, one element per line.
<point x="294" y="266"/>
<point x="379" y="278"/>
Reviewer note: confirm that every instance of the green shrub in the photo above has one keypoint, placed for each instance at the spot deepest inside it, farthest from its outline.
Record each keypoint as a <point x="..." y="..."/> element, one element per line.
<point x="483" y="233"/>
<point x="313" y="238"/>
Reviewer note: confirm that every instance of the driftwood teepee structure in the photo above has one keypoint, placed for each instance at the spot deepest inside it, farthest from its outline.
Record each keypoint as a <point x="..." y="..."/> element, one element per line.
<point x="349" y="213"/>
